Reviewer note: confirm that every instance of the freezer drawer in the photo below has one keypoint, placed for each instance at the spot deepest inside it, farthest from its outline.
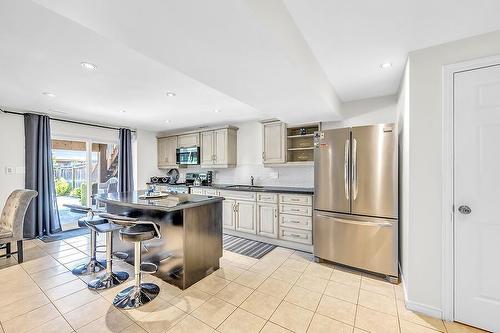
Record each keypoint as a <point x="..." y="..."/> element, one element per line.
<point x="366" y="243"/>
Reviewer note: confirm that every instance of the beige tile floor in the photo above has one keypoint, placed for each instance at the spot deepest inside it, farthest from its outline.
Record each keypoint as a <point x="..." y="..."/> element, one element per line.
<point x="285" y="291"/>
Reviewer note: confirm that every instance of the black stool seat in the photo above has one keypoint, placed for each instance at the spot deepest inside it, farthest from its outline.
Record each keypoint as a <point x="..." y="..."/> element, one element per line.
<point x="94" y="220"/>
<point x="107" y="227"/>
<point x="138" y="233"/>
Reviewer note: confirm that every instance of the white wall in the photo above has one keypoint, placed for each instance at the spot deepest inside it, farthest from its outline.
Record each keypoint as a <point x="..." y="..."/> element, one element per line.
<point x="368" y="111"/>
<point x="11" y="154"/>
<point x="12" y="150"/>
<point x="424" y="262"/>
<point x="250" y="164"/>
<point x="403" y="108"/>
<point x="146" y="158"/>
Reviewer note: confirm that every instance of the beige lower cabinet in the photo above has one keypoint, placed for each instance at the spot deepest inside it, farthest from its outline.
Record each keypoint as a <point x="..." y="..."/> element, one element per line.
<point x="245" y="216"/>
<point x="228" y="214"/>
<point x="267" y="220"/>
<point x="283" y="217"/>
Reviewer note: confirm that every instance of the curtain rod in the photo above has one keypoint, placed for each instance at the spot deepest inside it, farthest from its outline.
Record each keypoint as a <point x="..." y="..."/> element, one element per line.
<point x="67" y="121"/>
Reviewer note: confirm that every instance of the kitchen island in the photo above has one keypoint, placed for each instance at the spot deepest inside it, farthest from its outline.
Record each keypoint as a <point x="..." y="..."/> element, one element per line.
<point x="191" y="234"/>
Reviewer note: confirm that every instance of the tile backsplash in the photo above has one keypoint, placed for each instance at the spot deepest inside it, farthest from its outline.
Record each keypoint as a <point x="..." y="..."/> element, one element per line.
<point x="283" y="176"/>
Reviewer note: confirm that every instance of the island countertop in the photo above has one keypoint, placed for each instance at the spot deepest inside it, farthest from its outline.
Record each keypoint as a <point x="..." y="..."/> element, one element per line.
<point x="131" y="199"/>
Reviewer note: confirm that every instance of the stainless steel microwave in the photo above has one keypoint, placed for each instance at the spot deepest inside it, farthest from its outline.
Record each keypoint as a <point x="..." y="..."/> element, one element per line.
<point x="188" y="156"/>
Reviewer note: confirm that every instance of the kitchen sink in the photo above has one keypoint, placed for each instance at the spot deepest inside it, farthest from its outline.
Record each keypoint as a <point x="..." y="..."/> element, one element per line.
<point x="246" y="187"/>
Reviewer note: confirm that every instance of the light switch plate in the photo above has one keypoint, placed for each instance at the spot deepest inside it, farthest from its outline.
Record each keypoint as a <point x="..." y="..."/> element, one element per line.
<point x="10" y="170"/>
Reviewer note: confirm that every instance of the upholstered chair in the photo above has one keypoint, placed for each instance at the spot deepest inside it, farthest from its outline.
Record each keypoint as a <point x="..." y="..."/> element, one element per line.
<point x="12" y="221"/>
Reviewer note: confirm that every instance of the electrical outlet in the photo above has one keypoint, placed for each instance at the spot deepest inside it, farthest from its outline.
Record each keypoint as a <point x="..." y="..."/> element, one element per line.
<point x="10" y="170"/>
<point x="274" y="175"/>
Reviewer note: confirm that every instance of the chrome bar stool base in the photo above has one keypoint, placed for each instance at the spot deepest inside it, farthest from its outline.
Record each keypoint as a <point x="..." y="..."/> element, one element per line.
<point x="93" y="266"/>
<point x="135" y="296"/>
<point x="108" y="280"/>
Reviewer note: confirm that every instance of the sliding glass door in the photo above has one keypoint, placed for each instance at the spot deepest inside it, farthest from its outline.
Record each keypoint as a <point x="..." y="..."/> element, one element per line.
<point x="82" y="168"/>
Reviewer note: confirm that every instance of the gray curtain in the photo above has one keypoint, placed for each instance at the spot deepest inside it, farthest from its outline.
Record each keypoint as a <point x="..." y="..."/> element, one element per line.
<point x="125" y="174"/>
<point x="42" y="217"/>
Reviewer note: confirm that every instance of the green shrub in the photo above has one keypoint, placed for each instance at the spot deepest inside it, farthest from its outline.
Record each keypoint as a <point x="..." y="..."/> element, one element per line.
<point x="76" y="192"/>
<point x="83" y="194"/>
<point x="62" y="187"/>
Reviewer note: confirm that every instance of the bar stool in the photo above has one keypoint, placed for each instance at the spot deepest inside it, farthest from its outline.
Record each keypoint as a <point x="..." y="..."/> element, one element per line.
<point x="94" y="265"/>
<point x="110" y="278"/>
<point x="136" y="231"/>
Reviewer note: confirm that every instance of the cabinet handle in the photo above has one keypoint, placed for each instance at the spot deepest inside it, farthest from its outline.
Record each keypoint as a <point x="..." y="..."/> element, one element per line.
<point x="295" y="235"/>
<point x="295" y="210"/>
<point x="295" y="199"/>
<point x="293" y="221"/>
<point x="275" y="213"/>
<point x="263" y="155"/>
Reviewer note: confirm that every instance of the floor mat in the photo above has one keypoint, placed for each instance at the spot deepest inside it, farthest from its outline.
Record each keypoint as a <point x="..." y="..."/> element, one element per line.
<point x="246" y="247"/>
<point x="65" y="235"/>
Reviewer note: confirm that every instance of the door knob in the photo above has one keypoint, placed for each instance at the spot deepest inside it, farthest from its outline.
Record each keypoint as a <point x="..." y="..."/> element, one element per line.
<point x="464" y="210"/>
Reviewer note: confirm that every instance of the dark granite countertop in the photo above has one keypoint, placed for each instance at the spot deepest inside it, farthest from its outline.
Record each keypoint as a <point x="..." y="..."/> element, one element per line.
<point x="257" y="188"/>
<point x="131" y="199"/>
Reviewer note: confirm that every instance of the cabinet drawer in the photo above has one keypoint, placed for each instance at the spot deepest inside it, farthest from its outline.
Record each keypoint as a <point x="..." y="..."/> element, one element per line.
<point x="267" y="197"/>
<point x="295" y="221"/>
<point x="296" y="210"/>
<point x="210" y="191"/>
<point x="296" y="199"/>
<point x="296" y="235"/>
<point x="238" y="195"/>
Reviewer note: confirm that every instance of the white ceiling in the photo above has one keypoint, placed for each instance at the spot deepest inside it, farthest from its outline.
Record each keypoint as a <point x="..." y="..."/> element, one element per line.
<point x="250" y="59"/>
<point x="352" y="38"/>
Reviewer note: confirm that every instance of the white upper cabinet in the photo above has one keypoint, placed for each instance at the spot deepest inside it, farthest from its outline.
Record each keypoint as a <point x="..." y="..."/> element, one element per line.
<point x="167" y="152"/>
<point x="218" y="148"/>
<point x="273" y="143"/>
<point x="207" y="148"/>
<point x="188" y="140"/>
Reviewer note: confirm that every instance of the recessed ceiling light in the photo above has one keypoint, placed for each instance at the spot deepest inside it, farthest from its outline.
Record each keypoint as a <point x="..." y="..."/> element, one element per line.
<point x="167" y="121"/>
<point x="88" y="66"/>
<point x="170" y="94"/>
<point x="123" y="111"/>
<point x="386" y="65"/>
<point x="216" y="110"/>
<point x="49" y="94"/>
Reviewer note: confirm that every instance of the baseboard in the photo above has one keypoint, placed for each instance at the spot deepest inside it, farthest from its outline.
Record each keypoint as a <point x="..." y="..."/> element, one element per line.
<point x="419" y="307"/>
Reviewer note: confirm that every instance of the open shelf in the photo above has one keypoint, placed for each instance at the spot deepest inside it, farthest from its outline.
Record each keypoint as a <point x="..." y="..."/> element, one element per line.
<point x="301" y="136"/>
<point x="301" y="148"/>
<point x="300" y="143"/>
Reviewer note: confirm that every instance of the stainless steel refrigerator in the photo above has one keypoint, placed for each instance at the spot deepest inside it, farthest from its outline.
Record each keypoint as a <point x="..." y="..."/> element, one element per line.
<point x="355" y="219"/>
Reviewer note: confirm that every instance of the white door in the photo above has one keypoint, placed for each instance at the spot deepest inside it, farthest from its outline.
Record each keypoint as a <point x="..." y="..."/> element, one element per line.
<point x="267" y="220"/>
<point x="207" y="148"/>
<point x="273" y="150"/>
<point x="220" y="146"/>
<point x="245" y="216"/>
<point x="228" y="214"/>
<point x="477" y="187"/>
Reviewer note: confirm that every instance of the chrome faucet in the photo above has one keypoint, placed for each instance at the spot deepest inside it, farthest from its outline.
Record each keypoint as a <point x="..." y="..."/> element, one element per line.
<point x="251" y="180"/>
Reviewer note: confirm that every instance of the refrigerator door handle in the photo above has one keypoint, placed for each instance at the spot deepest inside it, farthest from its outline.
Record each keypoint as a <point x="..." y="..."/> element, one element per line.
<point x="368" y="224"/>
<point x="354" y="169"/>
<point x="346" y="168"/>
